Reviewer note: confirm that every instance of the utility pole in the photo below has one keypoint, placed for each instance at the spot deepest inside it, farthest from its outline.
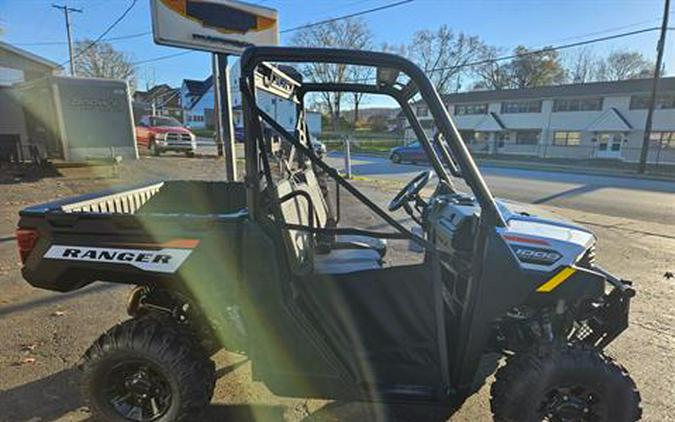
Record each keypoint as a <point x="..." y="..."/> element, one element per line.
<point x="66" y="11"/>
<point x="660" y="47"/>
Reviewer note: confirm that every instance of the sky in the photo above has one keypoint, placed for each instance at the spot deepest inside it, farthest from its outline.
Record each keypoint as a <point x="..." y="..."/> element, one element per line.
<point x="503" y="23"/>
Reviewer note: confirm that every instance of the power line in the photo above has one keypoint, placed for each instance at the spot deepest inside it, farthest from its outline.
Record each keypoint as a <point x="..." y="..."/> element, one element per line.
<point x="104" y="33"/>
<point x="350" y="15"/>
<point x="545" y="49"/>
<point x="167" y="56"/>
<point x="121" y="37"/>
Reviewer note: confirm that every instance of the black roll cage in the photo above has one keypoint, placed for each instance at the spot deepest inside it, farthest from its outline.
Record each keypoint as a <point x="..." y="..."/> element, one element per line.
<point x="278" y="83"/>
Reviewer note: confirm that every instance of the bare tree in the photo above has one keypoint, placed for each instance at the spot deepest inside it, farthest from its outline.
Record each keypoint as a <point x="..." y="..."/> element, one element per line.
<point x="493" y="74"/>
<point x="444" y="54"/>
<point x="358" y="74"/>
<point x="149" y="76"/>
<point x="352" y="33"/>
<point x="582" y="65"/>
<point x="622" y="65"/>
<point x="101" y="60"/>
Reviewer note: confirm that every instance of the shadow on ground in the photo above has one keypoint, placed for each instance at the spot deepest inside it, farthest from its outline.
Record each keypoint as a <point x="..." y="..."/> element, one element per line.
<point x="11" y="173"/>
<point x="57" y="396"/>
<point x="45" y="399"/>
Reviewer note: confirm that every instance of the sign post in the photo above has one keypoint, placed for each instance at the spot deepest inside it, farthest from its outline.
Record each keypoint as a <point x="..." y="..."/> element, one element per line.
<point x="222" y="27"/>
<point x="226" y="127"/>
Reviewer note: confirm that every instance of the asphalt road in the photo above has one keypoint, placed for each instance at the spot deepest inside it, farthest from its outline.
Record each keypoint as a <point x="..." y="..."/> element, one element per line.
<point x="635" y="198"/>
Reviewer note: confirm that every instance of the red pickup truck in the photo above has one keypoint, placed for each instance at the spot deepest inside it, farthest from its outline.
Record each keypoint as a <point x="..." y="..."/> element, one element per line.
<point x="160" y="134"/>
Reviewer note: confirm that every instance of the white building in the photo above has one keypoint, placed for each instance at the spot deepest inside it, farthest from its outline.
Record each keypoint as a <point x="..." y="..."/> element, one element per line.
<point x="197" y="101"/>
<point x="581" y="121"/>
<point x="197" y="98"/>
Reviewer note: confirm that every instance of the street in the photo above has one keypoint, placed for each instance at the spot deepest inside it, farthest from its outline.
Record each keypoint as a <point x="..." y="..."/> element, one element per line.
<point x="640" y="199"/>
<point x="45" y="333"/>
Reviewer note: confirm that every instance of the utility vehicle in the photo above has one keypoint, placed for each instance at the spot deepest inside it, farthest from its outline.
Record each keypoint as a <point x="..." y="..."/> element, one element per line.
<point x="263" y="267"/>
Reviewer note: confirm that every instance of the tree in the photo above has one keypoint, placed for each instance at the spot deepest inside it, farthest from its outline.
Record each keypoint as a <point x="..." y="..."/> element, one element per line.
<point x="536" y="68"/>
<point x="351" y="33"/>
<point x="443" y="55"/>
<point x="493" y="74"/>
<point x="622" y="65"/>
<point x="582" y="66"/>
<point x="526" y="69"/>
<point x="101" y="60"/>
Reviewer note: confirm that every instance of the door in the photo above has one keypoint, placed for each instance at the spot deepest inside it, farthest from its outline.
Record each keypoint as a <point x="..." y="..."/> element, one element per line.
<point x="383" y="327"/>
<point x="610" y="145"/>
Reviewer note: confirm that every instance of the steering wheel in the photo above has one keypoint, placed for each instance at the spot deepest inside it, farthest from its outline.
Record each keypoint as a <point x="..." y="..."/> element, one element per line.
<point x="411" y="190"/>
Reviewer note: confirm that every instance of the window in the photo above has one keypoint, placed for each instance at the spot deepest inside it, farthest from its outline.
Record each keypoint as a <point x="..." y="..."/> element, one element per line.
<point x="465" y="109"/>
<point x="467" y="135"/>
<point x="428" y="124"/>
<point x="662" y="139"/>
<point x="164" y="122"/>
<point x="422" y="111"/>
<point x="567" y="138"/>
<point x="521" y="107"/>
<point x="639" y="102"/>
<point x="578" y="104"/>
<point x="527" y="137"/>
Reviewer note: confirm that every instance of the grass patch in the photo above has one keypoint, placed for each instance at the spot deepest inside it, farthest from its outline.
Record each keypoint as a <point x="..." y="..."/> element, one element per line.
<point x="204" y="133"/>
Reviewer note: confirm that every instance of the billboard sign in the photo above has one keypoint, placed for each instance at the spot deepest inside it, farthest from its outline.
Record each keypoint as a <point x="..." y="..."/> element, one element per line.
<point x="220" y="26"/>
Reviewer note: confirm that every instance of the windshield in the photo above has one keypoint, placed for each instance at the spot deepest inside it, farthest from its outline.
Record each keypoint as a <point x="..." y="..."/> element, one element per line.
<point x="164" y="121"/>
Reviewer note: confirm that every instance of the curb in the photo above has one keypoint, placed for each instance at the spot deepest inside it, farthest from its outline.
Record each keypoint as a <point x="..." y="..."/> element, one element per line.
<point x="573" y="170"/>
<point x="547" y="167"/>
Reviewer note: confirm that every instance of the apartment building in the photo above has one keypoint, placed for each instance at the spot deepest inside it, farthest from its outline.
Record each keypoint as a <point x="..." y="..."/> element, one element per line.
<point x="599" y="120"/>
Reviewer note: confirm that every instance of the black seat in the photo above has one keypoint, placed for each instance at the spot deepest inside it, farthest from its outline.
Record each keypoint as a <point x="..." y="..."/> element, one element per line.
<point x="311" y="184"/>
<point x="342" y="261"/>
<point x="300" y="244"/>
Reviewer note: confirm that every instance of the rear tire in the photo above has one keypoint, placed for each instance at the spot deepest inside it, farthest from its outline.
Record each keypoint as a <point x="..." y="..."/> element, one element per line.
<point x="143" y="370"/>
<point x="564" y="384"/>
<point x="396" y="158"/>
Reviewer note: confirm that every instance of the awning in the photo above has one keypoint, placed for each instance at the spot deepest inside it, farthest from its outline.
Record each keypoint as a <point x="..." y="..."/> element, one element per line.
<point x="610" y="121"/>
<point x="490" y="123"/>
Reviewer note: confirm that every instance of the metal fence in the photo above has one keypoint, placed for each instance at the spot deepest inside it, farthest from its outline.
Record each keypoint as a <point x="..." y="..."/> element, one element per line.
<point x="579" y="153"/>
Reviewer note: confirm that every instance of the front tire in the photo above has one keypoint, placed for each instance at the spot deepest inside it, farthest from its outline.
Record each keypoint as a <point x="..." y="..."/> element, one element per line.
<point x="142" y="370"/>
<point x="396" y="158"/>
<point x="154" y="151"/>
<point x="564" y="384"/>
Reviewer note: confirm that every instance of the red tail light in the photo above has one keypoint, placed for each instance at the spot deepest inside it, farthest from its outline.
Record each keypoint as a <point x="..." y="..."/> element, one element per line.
<point x="26" y="240"/>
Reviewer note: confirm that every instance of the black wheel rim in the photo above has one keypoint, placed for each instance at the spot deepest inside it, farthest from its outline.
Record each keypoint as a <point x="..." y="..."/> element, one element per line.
<point x="575" y="403"/>
<point x="137" y="391"/>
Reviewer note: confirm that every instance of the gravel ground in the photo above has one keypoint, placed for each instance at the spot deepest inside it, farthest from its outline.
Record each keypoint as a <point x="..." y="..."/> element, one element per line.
<point x="44" y="334"/>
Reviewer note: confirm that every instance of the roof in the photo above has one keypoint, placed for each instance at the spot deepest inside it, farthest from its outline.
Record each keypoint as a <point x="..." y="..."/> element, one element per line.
<point x="28" y="55"/>
<point x="631" y="86"/>
<point x="490" y="123"/>
<point x="610" y="121"/>
<point x="198" y="88"/>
